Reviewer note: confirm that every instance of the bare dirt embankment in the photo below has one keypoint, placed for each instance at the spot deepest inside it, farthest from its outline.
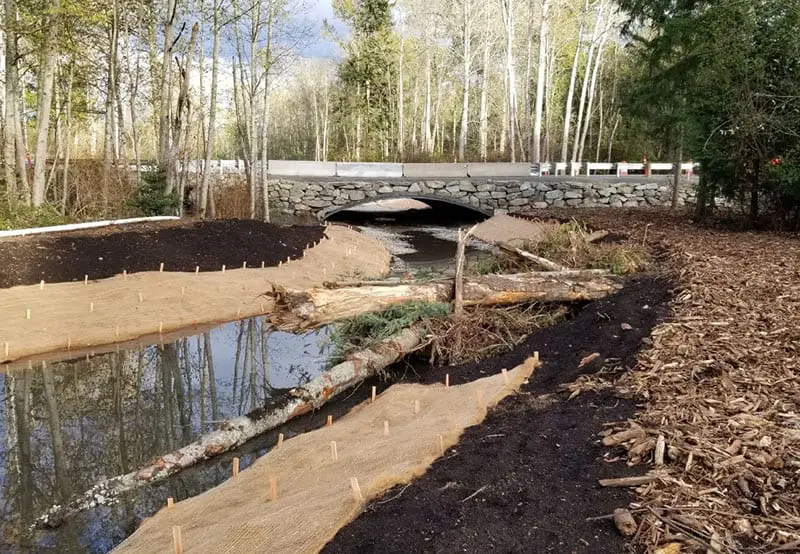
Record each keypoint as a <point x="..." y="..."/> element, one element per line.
<point x="68" y="316"/>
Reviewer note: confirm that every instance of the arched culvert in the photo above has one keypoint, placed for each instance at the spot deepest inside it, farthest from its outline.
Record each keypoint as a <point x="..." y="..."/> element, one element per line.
<point x="442" y="209"/>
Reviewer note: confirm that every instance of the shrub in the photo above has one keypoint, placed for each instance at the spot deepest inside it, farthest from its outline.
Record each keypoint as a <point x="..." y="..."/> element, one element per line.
<point x="151" y="198"/>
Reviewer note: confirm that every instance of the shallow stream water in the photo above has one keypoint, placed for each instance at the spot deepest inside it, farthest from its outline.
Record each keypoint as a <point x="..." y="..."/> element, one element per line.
<point x="67" y="425"/>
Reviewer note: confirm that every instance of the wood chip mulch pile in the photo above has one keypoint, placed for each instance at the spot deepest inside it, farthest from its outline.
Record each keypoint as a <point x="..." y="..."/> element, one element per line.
<point x="719" y="429"/>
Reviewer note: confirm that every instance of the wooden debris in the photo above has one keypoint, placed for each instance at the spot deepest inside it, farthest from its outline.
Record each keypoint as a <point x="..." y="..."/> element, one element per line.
<point x="543" y="262"/>
<point x="588" y="359"/>
<point x="624" y="436"/>
<point x="630" y="481"/>
<point x="624" y="522"/>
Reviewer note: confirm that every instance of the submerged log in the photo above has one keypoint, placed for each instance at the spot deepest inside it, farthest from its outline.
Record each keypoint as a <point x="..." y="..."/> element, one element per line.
<point x="295" y="310"/>
<point x="233" y="433"/>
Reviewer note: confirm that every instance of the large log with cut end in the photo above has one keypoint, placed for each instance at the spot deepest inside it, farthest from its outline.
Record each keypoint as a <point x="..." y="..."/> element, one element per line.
<point x="295" y="310"/>
<point x="563" y="286"/>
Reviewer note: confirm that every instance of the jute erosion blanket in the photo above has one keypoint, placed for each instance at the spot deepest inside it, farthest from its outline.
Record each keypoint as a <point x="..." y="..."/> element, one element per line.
<point x="379" y="444"/>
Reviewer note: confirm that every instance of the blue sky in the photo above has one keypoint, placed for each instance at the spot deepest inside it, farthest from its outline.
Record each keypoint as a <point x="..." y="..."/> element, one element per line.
<point x="320" y="11"/>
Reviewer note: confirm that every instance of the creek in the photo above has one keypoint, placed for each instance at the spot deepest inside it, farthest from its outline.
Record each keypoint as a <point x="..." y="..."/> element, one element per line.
<point x="66" y="425"/>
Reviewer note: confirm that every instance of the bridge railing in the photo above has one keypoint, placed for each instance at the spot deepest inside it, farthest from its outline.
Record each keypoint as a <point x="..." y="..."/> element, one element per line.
<point x="375" y="170"/>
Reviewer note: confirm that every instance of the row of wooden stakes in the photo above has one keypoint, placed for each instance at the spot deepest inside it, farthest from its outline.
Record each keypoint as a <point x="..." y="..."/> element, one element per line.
<point x="354" y="485"/>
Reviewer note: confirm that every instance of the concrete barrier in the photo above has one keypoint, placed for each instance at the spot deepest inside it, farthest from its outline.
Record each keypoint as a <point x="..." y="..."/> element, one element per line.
<point x="499" y="170"/>
<point x="422" y="170"/>
<point x="382" y="170"/>
<point x="292" y="168"/>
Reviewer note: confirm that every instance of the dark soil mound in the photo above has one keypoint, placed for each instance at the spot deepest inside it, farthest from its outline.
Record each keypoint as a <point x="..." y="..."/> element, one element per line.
<point x="534" y="467"/>
<point x="107" y="251"/>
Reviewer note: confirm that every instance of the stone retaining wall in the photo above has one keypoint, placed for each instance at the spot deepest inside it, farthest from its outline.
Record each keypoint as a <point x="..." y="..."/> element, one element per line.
<point x="324" y="197"/>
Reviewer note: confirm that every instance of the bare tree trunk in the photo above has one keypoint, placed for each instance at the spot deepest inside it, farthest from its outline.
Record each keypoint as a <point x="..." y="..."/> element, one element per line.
<point x="426" y="120"/>
<point x="508" y="18"/>
<point x="540" y="82"/>
<point x="212" y="113"/>
<point x="467" y="54"/>
<point x="676" y="183"/>
<point x="401" y="119"/>
<point x="587" y="76"/>
<point x="49" y="61"/>
<point x="67" y="140"/>
<point x="326" y="121"/>
<point x="484" y="116"/>
<point x="109" y="150"/>
<point x="165" y="99"/>
<point x="13" y="145"/>
<point x="571" y="90"/>
<point x="266" y="114"/>
<point x="590" y="102"/>
<point x="182" y="114"/>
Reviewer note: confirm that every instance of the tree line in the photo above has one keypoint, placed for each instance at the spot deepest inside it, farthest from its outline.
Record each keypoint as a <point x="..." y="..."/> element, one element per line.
<point x="413" y="80"/>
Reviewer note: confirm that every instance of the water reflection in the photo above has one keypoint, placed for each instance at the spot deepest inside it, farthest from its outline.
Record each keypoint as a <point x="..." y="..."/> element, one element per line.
<point x="66" y="425"/>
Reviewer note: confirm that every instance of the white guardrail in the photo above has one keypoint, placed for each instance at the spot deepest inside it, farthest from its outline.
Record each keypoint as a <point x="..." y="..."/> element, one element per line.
<point x="352" y="170"/>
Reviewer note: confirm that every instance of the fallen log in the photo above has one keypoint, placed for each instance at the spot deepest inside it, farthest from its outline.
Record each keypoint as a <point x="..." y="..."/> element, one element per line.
<point x="233" y="433"/>
<point x="296" y="310"/>
<point x="563" y="286"/>
<point x="544" y="262"/>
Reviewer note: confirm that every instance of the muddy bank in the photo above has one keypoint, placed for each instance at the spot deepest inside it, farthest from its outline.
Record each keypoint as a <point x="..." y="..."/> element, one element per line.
<point x="180" y="245"/>
<point x="534" y="466"/>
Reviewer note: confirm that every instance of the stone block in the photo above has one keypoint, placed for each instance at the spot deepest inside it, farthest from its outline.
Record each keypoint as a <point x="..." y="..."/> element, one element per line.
<point x="302" y="168"/>
<point x="485" y="187"/>
<point x="573" y="194"/>
<point x="574" y="201"/>
<point x="558" y="203"/>
<point x="422" y="170"/>
<point x="414" y="188"/>
<point x="467" y="186"/>
<point x="554" y="195"/>
<point x="435" y="185"/>
<point x="502" y="169"/>
<point x="518" y="202"/>
<point x="541" y="205"/>
<point x="384" y="170"/>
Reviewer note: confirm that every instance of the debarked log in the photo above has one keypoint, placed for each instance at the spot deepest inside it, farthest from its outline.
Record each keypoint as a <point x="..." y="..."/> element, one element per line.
<point x="561" y="286"/>
<point x="295" y="309"/>
<point x="233" y="433"/>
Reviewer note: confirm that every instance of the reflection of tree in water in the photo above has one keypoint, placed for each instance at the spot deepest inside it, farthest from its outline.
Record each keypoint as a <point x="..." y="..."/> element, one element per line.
<point x="65" y="426"/>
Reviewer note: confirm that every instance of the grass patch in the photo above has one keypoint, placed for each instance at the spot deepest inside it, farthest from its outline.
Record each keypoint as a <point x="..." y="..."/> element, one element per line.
<point x="567" y="246"/>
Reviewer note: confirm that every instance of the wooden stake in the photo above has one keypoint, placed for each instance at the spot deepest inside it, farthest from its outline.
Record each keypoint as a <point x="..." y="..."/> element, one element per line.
<point x="441" y="445"/>
<point x="170" y="502"/>
<point x="141" y="298"/>
<point x="8" y="347"/>
<point x="329" y="422"/>
<point x="223" y="269"/>
<point x="28" y="313"/>
<point x="263" y="265"/>
<point x="85" y="279"/>
<point x="280" y="263"/>
<point x="385" y="428"/>
<point x="356" y="489"/>
<point x="183" y="291"/>
<point x="374" y="392"/>
<point x="235" y="468"/>
<point x="124" y="274"/>
<point x="197" y="270"/>
<point x="280" y="440"/>
<point x="273" y="489"/>
<point x="416" y="406"/>
<point x="91" y="307"/>
<point x="177" y="539"/>
<point x="41" y="285"/>
<point x="506" y="380"/>
<point x="244" y="265"/>
<point x="161" y="268"/>
<point x="69" y="344"/>
<point x="160" y="327"/>
<point x="334" y="452"/>
<point x="447" y="380"/>
<point x="116" y="331"/>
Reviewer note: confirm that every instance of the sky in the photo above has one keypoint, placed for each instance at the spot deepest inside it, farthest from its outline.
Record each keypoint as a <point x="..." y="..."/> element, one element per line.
<point x="319" y="12"/>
